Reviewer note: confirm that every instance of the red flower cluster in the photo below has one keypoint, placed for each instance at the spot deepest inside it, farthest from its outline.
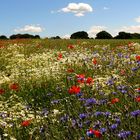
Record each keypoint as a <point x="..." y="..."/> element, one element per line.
<point x="60" y="56"/>
<point x="70" y="47"/>
<point x="138" y="99"/>
<point x="96" y="133"/>
<point x="80" y="78"/>
<point x="70" y="70"/>
<point x="138" y="57"/>
<point x="94" y="61"/>
<point x="2" y="91"/>
<point x="115" y="100"/>
<point x="122" y="72"/>
<point x="26" y="123"/>
<point x="14" y="86"/>
<point x="74" y="90"/>
<point x="89" y="80"/>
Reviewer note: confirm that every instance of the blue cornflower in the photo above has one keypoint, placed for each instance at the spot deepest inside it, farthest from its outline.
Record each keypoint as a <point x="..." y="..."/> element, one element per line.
<point x="114" y="126"/>
<point x="83" y="116"/>
<point x="90" y="101"/>
<point x="135" y="113"/>
<point x="103" y="130"/>
<point x="98" y="113"/>
<point x="107" y="114"/>
<point x="124" y="134"/>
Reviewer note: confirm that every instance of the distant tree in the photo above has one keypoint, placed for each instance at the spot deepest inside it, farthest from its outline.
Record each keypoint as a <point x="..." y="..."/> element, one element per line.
<point x="55" y="37"/>
<point x="3" y="37"/>
<point x="24" y="36"/>
<point x="135" y="36"/>
<point x="36" y="37"/>
<point x="103" y="35"/>
<point x="79" y="35"/>
<point x="123" y="35"/>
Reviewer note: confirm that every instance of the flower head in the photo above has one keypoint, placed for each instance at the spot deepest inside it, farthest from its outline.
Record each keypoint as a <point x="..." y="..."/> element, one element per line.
<point x="115" y="100"/>
<point x="2" y="91"/>
<point x="14" y="86"/>
<point x="89" y="80"/>
<point x="74" y="90"/>
<point x="26" y="123"/>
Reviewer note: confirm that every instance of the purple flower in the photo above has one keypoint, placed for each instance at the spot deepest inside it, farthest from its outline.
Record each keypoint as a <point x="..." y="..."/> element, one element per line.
<point x="134" y="69"/>
<point x="55" y="101"/>
<point x="64" y="118"/>
<point x="98" y="113"/>
<point x="107" y="114"/>
<point x="103" y="130"/>
<point x="44" y="112"/>
<point x="118" y="121"/>
<point x="83" y="116"/>
<point x="124" y="134"/>
<point x="87" y="122"/>
<point x="90" y="101"/>
<point x="135" y="113"/>
<point x="138" y="137"/>
<point x="124" y="91"/>
<point x="114" y="126"/>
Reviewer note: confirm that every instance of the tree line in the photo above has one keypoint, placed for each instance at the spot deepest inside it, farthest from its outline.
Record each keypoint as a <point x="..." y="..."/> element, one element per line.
<point x="78" y="35"/>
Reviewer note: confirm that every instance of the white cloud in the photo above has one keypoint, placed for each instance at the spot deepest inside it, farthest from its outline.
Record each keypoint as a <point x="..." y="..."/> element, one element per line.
<point x="106" y="8"/>
<point x="66" y="36"/>
<point x="79" y="9"/>
<point x="131" y="29"/>
<point x="137" y="19"/>
<point x="30" y="28"/>
<point x="95" y="29"/>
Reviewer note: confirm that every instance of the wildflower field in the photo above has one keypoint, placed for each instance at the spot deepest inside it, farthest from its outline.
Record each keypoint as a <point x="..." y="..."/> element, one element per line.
<point x="70" y="90"/>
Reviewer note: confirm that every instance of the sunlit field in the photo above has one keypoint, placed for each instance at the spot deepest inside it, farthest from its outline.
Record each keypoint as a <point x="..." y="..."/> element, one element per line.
<point x="70" y="90"/>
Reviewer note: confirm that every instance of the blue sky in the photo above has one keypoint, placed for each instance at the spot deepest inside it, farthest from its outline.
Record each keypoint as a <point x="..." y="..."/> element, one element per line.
<point x="63" y="17"/>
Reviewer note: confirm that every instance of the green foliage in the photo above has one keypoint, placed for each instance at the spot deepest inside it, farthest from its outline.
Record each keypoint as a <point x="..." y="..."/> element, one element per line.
<point x="79" y="35"/>
<point x="103" y="35"/>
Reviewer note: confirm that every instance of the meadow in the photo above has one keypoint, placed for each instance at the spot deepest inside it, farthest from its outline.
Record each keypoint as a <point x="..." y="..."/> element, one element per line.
<point x="70" y="89"/>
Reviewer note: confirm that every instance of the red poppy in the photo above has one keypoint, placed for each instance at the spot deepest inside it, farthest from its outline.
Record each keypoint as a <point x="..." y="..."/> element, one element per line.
<point x="97" y="133"/>
<point x="122" y="72"/>
<point x="89" y="80"/>
<point x="59" y="56"/>
<point x="70" y="46"/>
<point x="26" y="123"/>
<point x="138" y="57"/>
<point x="115" y="100"/>
<point x="70" y="70"/>
<point x="14" y="86"/>
<point x="74" y="90"/>
<point x="2" y="91"/>
<point x="138" y="99"/>
<point x="94" y="61"/>
<point x="80" y="78"/>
